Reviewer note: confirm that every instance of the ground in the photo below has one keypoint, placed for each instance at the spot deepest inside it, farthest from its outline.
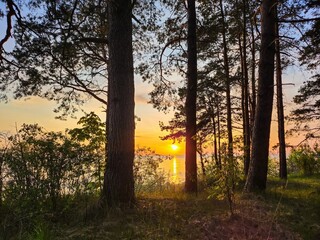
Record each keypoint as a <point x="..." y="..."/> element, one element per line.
<point x="287" y="210"/>
<point x="174" y="215"/>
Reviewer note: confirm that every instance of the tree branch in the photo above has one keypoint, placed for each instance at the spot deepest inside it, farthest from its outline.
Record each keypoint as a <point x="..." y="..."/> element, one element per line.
<point x="10" y="14"/>
<point x="178" y="39"/>
<point x="299" y="20"/>
<point x="94" y="40"/>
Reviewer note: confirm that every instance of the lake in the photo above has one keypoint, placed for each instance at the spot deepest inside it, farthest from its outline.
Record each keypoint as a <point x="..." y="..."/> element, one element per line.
<point x="174" y="168"/>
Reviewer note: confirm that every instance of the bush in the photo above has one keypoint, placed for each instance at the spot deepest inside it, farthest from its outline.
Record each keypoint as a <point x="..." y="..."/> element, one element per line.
<point x="273" y="167"/>
<point x="304" y="160"/>
<point x="222" y="180"/>
<point x="42" y="172"/>
<point x="43" y="168"/>
<point x="146" y="172"/>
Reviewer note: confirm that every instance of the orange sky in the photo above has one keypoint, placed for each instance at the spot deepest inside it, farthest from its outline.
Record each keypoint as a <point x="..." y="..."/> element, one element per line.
<point x="37" y="110"/>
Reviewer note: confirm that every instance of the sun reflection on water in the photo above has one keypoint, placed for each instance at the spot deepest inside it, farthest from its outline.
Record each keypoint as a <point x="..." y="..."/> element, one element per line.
<point x="174" y="168"/>
<point x="174" y="177"/>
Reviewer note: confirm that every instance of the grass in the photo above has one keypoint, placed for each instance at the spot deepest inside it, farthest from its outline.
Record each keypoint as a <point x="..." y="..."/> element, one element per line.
<point x="158" y="216"/>
<point x="171" y="215"/>
<point x="299" y="207"/>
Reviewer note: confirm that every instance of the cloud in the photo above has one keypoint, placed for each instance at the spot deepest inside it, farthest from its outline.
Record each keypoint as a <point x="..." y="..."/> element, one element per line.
<point x="141" y="99"/>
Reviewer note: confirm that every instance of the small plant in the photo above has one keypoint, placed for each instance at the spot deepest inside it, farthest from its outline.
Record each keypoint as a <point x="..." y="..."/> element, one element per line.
<point x="224" y="179"/>
<point x="40" y="232"/>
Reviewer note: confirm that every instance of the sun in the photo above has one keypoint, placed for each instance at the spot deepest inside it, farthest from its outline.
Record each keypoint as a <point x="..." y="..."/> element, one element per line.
<point x="174" y="147"/>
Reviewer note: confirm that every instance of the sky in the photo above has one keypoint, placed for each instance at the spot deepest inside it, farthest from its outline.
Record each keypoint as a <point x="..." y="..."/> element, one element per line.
<point x="37" y="110"/>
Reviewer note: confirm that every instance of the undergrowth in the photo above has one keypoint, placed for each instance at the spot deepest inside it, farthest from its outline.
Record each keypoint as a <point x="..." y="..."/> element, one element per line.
<point x="172" y="214"/>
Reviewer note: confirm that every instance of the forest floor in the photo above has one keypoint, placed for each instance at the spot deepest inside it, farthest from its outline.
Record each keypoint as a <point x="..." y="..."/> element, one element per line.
<point x="286" y="211"/>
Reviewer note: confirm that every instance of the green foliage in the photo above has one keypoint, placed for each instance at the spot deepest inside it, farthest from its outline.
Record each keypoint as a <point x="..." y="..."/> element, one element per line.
<point x="307" y="99"/>
<point x="44" y="169"/>
<point x="48" y="174"/>
<point x="61" y="53"/>
<point x="273" y="167"/>
<point x="52" y="55"/>
<point x="92" y="136"/>
<point x="146" y="172"/>
<point x="222" y="181"/>
<point x="41" y="231"/>
<point x="92" y="131"/>
<point x="43" y="173"/>
<point x="305" y="160"/>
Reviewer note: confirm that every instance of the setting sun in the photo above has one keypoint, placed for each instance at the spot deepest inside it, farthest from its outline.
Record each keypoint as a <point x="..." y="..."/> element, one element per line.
<point x="174" y="147"/>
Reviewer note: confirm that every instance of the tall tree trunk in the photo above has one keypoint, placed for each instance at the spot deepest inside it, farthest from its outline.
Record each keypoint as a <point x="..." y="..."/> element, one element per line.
<point x="211" y="110"/>
<point x="227" y="76"/>
<point x="200" y="152"/>
<point x="118" y="181"/>
<point x="215" y="140"/>
<point x="281" y="130"/>
<point x="253" y="76"/>
<point x="191" y="103"/>
<point x="246" y="116"/>
<point x="244" y="127"/>
<point x="257" y="175"/>
<point x="219" y="134"/>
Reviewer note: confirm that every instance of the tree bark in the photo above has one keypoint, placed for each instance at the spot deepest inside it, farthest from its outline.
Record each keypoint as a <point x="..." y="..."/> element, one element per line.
<point x="281" y="130"/>
<point x="247" y="130"/>
<point x="200" y="152"/>
<point x="219" y="133"/>
<point x="227" y="76"/>
<point x="191" y="100"/>
<point x="215" y="146"/>
<point x="253" y="78"/>
<point x="118" y="181"/>
<point x="257" y="175"/>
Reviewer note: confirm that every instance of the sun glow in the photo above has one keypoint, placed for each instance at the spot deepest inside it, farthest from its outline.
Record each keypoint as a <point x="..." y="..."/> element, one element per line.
<point x="174" y="147"/>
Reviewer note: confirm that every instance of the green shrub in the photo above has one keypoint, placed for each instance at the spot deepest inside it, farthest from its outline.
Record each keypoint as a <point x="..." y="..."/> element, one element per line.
<point x="43" y="168"/>
<point x="146" y="172"/>
<point x="222" y="180"/>
<point x="273" y="167"/>
<point x="304" y="160"/>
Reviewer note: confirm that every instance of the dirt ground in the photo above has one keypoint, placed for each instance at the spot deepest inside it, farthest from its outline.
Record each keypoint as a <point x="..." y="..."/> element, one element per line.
<point x="249" y="222"/>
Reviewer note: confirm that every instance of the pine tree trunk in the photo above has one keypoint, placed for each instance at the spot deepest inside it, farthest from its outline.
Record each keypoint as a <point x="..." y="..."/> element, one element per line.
<point x="227" y="76"/>
<point x="118" y="181"/>
<point x="215" y="146"/>
<point x="253" y="78"/>
<point x="211" y="110"/>
<point x="191" y="100"/>
<point x="200" y="152"/>
<point x="257" y="175"/>
<point x="281" y="130"/>
<point x="247" y="139"/>
<point x="219" y="133"/>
